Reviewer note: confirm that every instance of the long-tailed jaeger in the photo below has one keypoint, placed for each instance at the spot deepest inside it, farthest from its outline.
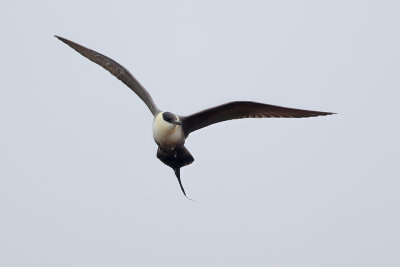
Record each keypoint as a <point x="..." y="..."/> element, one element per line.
<point x="170" y="130"/>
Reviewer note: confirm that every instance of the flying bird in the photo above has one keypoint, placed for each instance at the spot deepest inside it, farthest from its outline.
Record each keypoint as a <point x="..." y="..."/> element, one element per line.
<point x="170" y="130"/>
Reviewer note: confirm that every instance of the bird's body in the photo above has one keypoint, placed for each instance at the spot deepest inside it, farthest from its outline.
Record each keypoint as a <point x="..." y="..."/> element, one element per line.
<point x="170" y="130"/>
<point x="168" y="136"/>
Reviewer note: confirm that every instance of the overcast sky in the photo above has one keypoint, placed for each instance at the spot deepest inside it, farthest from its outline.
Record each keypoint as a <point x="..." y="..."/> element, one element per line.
<point x="80" y="184"/>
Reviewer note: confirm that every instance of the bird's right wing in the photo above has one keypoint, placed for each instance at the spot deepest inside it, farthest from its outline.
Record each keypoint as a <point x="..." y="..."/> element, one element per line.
<point x="241" y="110"/>
<point x="115" y="69"/>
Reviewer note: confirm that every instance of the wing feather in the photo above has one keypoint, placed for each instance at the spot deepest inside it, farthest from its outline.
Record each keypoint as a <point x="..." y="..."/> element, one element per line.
<point x="115" y="69"/>
<point x="241" y="110"/>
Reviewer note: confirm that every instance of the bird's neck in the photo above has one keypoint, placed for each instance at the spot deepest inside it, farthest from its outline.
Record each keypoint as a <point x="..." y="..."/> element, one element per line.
<point x="163" y="127"/>
<point x="167" y="134"/>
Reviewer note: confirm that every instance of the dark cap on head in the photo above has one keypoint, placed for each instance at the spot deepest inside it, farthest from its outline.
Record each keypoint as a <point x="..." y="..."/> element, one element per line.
<point x="171" y="118"/>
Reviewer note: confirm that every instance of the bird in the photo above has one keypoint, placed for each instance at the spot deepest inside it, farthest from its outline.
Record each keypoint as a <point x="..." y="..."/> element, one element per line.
<point x="170" y="130"/>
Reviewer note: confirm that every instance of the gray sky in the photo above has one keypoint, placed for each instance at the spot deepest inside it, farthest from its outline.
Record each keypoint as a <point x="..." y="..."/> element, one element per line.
<point x="79" y="181"/>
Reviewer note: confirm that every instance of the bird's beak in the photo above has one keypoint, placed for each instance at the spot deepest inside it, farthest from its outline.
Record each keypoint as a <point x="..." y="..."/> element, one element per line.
<point x="177" y="122"/>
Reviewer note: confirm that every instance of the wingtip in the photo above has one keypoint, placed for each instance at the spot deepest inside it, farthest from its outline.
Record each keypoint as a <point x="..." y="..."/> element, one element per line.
<point x="62" y="39"/>
<point x="326" y="113"/>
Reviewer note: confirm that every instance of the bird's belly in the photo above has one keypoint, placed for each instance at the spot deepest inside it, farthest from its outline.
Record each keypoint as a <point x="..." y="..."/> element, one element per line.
<point x="169" y="140"/>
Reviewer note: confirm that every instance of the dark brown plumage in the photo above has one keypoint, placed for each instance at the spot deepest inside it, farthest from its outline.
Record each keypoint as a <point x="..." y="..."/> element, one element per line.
<point x="242" y="110"/>
<point x="115" y="69"/>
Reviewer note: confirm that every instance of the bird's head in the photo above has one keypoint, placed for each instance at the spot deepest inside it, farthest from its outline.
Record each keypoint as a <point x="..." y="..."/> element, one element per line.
<point x="171" y="118"/>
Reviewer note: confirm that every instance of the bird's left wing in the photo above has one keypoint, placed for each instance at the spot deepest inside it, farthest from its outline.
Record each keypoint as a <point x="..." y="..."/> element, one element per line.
<point x="241" y="110"/>
<point x="115" y="69"/>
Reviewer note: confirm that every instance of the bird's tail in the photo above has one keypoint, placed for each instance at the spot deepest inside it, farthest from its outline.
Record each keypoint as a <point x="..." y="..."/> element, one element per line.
<point x="176" y="162"/>
<point x="178" y="175"/>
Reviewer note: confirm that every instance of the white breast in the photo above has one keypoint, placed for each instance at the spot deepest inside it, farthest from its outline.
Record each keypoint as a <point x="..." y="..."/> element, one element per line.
<point x="167" y="134"/>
